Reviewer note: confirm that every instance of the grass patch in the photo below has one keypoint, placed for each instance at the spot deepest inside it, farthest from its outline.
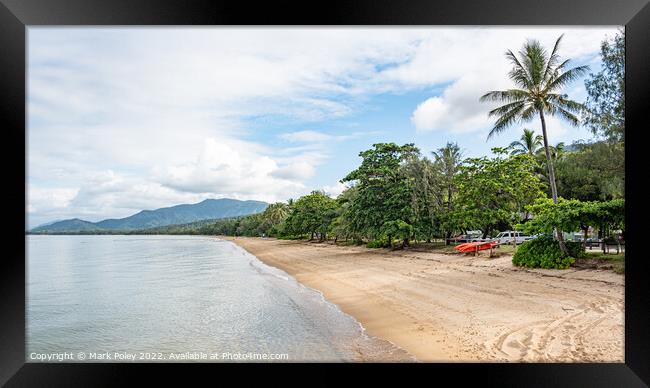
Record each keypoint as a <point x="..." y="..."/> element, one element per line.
<point x="436" y="246"/>
<point x="605" y="256"/>
<point x="506" y="249"/>
<point x="600" y="260"/>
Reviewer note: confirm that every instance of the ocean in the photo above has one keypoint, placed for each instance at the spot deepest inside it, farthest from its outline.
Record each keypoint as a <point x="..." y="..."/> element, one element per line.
<point x="112" y="298"/>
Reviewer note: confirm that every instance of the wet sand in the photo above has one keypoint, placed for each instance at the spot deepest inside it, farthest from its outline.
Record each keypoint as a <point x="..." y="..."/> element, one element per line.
<point x="453" y="307"/>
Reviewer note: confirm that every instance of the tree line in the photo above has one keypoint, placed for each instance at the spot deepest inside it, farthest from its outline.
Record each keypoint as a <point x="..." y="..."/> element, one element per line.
<point x="398" y="196"/>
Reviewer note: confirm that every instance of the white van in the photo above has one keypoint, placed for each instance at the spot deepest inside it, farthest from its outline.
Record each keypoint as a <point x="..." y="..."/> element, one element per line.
<point x="508" y="236"/>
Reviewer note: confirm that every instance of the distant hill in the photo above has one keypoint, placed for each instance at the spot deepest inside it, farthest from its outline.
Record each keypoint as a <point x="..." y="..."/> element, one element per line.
<point x="46" y="224"/>
<point x="146" y="219"/>
<point x="74" y="225"/>
<point x="196" y="227"/>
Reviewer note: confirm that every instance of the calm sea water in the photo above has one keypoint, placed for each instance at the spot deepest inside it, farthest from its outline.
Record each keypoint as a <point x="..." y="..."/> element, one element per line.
<point x="151" y="298"/>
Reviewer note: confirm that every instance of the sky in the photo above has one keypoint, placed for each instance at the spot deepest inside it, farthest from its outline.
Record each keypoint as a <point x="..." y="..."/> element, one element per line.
<point x="125" y="119"/>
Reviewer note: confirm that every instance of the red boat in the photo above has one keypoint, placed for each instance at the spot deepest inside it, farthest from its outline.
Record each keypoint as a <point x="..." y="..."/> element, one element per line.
<point x="476" y="246"/>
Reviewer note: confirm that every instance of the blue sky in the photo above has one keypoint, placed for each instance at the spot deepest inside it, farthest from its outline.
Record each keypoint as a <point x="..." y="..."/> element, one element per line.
<point x="125" y="119"/>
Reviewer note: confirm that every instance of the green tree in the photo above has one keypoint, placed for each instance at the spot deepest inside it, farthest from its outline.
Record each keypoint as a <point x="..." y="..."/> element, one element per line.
<point x="605" y="105"/>
<point x="448" y="159"/>
<point x="528" y="143"/>
<point x="398" y="229"/>
<point x="312" y="214"/>
<point x="427" y="186"/>
<point x="341" y="224"/>
<point x="495" y="191"/>
<point x="593" y="171"/>
<point x="572" y="215"/>
<point x="250" y="226"/>
<point x="384" y="191"/>
<point x="539" y="77"/>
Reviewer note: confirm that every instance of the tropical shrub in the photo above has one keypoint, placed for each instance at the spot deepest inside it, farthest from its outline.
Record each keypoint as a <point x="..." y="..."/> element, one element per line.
<point x="545" y="252"/>
<point x="378" y="243"/>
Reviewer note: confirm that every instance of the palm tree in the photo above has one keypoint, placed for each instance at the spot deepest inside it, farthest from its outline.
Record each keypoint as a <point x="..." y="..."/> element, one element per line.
<point x="528" y="143"/>
<point x="276" y="212"/>
<point x="448" y="158"/>
<point x="538" y="78"/>
<point x="557" y="152"/>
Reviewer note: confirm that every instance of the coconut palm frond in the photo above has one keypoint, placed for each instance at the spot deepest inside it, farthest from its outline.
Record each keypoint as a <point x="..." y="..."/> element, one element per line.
<point x="505" y="108"/>
<point x="562" y="65"/>
<point x="517" y="148"/>
<point x="517" y="144"/>
<point x="535" y="61"/>
<point x="566" y="78"/>
<point x="521" y="77"/>
<point x="557" y="151"/>
<point x="528" y="143"/>
<point x="553" y="59"/>
<point x="510" y="95"/>
<point x="566" y="115"/>
<point x="519" y="73"/>
<point x="505" y="120"/>
<point x="564" y="103"/>
<point x="514" y="60"/>
<point x="528" y="113"/>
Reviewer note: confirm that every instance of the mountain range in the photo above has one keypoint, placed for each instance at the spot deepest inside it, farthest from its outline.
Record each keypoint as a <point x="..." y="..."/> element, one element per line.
<point x="179" y="214"/>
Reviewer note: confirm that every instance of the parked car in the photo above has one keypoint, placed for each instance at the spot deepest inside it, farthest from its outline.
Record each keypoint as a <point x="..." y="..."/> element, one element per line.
<point x="577" y="236"/>
<point x="508" y="236"/>
<point x="470" y="235"/>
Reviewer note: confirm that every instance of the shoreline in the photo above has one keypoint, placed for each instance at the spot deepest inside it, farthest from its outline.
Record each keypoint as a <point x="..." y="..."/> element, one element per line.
<point x="441" y="307"/>
<point x="398" y="354"/>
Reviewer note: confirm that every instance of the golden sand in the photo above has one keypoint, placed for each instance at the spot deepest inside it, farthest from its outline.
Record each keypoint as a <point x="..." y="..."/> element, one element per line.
<point x="452" y="307"/>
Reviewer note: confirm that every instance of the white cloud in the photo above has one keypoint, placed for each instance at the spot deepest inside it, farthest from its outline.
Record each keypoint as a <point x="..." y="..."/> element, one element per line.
<point x="309" y="136"/>
<point x="305" y="136"/>
<point x="49" y="199"/>
<point x="447" y="54"/>
<point x="237" y="170"/>
<point x="295" y="171"/>
<point x="335" y="190"/>
<point x="429" y="114"/>
<point x="458" y="108"/>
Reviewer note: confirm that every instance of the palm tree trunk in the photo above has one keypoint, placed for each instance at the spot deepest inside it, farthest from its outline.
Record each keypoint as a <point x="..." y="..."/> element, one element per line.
<point x="551" y="178"/>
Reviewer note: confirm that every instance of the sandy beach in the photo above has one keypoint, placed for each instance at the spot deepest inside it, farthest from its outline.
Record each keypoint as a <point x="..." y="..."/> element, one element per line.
<point x="452" y="307"/>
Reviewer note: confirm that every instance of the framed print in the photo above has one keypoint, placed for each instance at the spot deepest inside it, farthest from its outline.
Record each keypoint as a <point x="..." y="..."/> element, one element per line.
<point x="389" y="188"/>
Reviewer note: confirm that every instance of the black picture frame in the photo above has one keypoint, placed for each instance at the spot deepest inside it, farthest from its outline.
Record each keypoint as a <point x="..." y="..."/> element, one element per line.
<point x="17" y="15"/>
